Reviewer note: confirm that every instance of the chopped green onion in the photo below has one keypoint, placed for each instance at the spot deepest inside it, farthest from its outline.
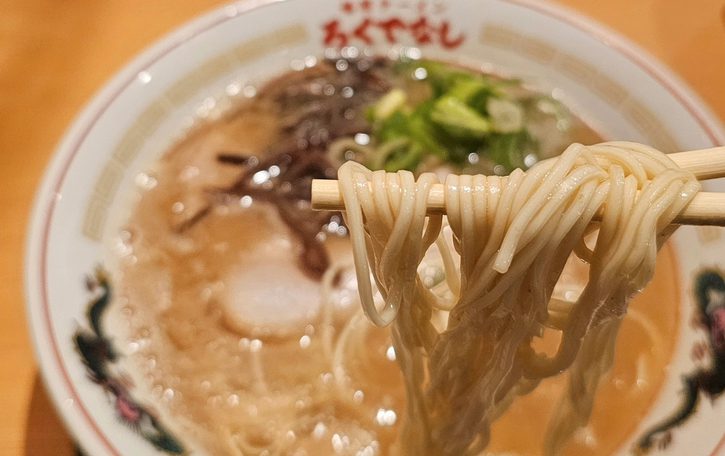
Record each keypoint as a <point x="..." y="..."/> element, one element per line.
<point x="458" y="119"/>
<point x="506" y="116"/>
<point x="465" y="114"/>
<point x="389" y="104"/>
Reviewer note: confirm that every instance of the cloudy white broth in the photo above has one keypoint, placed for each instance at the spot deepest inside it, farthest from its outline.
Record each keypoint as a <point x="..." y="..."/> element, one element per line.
<point x="242" y="302"/>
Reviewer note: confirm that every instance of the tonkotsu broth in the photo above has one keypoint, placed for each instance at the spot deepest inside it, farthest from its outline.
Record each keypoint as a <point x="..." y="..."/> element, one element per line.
<point x="225" y="312"/>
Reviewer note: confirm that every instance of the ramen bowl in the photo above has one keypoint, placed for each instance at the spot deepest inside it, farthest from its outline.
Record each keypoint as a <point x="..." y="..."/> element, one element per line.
<point x="199" y="71"/>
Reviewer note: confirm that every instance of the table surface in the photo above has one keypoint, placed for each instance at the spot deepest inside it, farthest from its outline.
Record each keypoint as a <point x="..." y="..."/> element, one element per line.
<point x="55" y="55"/>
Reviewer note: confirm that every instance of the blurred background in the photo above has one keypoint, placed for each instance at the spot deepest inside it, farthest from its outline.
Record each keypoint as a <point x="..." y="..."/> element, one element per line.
<point x="54" y="55"/>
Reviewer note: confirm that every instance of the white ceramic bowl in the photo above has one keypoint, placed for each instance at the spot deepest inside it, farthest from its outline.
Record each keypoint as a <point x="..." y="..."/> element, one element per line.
<point x="612" y="84"/>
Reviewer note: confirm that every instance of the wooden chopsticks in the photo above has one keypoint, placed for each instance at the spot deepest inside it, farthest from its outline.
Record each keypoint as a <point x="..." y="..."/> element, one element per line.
<point x="704" y="163"/>
<point x="707" y="208"/>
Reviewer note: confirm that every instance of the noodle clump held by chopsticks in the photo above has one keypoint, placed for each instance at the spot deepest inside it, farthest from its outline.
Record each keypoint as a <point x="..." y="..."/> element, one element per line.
<point x="465" y="345"/>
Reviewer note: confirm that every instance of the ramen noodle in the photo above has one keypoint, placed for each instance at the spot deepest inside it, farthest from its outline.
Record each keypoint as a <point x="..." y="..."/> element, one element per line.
<point x="513" y="236"/>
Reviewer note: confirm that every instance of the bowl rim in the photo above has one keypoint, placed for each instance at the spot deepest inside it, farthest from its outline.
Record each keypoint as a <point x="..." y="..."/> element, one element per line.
<point x="78" y="421"/>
